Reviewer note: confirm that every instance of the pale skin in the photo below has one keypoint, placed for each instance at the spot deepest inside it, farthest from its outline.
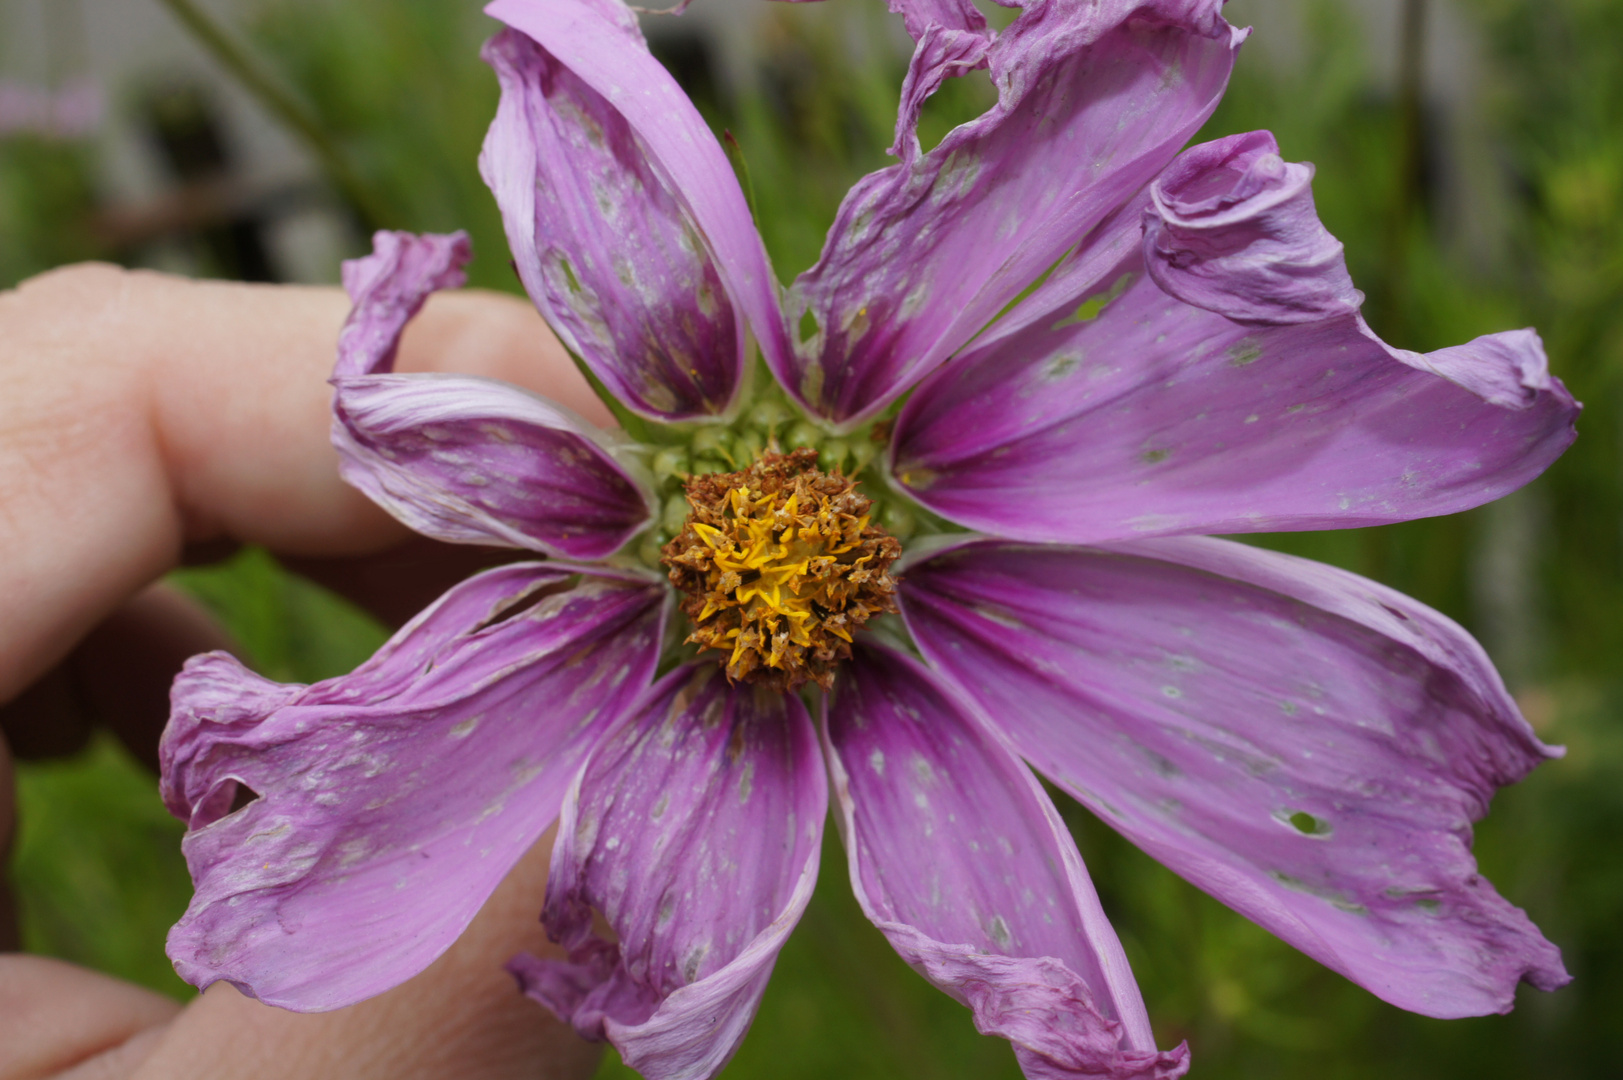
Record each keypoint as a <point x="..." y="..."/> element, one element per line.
<point x="145" y="419"/>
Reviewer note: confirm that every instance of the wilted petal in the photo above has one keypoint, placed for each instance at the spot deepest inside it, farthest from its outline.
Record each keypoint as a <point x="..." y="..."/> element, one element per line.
<point x="1307" y="746"/>
<point x="1234" y="230"/>
<point x="1154" y="417"/>
<point x="626" y="222"/>
<point x="462" y="459"/>
<point x="388" y="288"/>
<point x="391" y="801"/>
<point x="920" y="16"/>
<point x="958" y="856"/>
<point x="694" y="829"/>
<point x="1094" y="100"/>
<point x="479" y="461"/>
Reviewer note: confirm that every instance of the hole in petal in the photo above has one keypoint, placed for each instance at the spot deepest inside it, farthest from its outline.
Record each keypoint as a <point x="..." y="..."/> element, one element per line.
<point x="997" y="16"/>
<point x="958" y="101"/>
<point x="1426" y="901"/>
<point x="226" y="796"/>
<point x="514" y="606"/>
<point x="603" y="929"/>
<point x="242" y="797"/>
<point x="1305" y="823"/>
<point x="1090" y="308"/>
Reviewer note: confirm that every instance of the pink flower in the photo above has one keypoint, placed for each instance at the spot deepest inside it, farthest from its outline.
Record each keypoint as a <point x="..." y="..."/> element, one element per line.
<point x="1308" y="746"/>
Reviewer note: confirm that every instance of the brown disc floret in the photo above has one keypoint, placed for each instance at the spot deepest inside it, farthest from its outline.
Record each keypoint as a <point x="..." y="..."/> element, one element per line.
<point x="780" y="565"/>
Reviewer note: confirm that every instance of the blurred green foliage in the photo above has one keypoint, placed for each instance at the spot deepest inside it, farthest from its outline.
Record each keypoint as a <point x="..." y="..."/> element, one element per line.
<point x="398" y="84"/>
<point x="46" y="203"/>
<point x="97" y="866"/>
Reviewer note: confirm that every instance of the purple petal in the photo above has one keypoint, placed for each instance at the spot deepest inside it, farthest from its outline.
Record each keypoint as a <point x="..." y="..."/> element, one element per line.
<point x="388" y="289"/>
<point x="462" y="459"/>
<point x="1306" y="745"/>
<point x="391" y="801"/>
<point x="694" y="830"/>
<point x="479" y="461"/>
<point x="628" y="226"/>
<point x="1087" y="271"/>
<point x="959" y="857"/>
<point x="1157" y="417"/>
<point x="1094" y="100"/>
<point x="1234" y="231"/>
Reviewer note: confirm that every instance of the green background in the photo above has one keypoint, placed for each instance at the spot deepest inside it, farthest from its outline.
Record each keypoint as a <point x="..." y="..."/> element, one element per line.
<point x="397" y="86"/>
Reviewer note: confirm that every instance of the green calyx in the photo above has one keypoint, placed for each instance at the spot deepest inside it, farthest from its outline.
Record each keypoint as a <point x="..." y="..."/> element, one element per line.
<point x="765" y="419"/>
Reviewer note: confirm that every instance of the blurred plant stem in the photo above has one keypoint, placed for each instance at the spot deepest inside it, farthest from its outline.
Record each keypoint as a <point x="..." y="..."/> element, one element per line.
<point x="1409" y="191"/>
<point x="1404" y="218"/>
<point x="369" y="206"/>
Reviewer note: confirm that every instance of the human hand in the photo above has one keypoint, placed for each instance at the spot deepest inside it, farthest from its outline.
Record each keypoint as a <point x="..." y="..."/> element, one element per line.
<point x="147" y="420"/>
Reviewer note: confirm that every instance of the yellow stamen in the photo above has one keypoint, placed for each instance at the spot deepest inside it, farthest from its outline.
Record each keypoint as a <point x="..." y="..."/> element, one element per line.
<point x="781" y="563"/>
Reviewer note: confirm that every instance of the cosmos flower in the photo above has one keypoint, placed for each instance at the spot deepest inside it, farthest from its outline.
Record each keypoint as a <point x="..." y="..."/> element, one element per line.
<point x="775" y="585"/>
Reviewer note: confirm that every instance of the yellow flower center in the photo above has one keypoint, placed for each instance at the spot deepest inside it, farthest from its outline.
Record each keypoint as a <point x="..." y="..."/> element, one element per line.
<point x="781" y="564"/>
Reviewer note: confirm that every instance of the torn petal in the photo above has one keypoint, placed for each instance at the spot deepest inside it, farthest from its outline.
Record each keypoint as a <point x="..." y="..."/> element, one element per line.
<point x="386" y="290"/>
<point x="694" y="830"/>
<point x="392" y="801"/>
<point x="1094" y="99"/>
<point x="960" y="859"/>
<point x="1307" y="746"/>
<point x="1123" y="411"/>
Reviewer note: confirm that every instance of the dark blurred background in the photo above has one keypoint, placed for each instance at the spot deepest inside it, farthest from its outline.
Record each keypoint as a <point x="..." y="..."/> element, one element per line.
<point x="1469" y="153"/>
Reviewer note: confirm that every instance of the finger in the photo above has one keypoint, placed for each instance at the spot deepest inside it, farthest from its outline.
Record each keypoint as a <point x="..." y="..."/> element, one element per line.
<point x="461" y="1017"/>
<point x="139" y="411"/>
<point x="55" y="1015"/>
<point x="120" y="1062"/>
